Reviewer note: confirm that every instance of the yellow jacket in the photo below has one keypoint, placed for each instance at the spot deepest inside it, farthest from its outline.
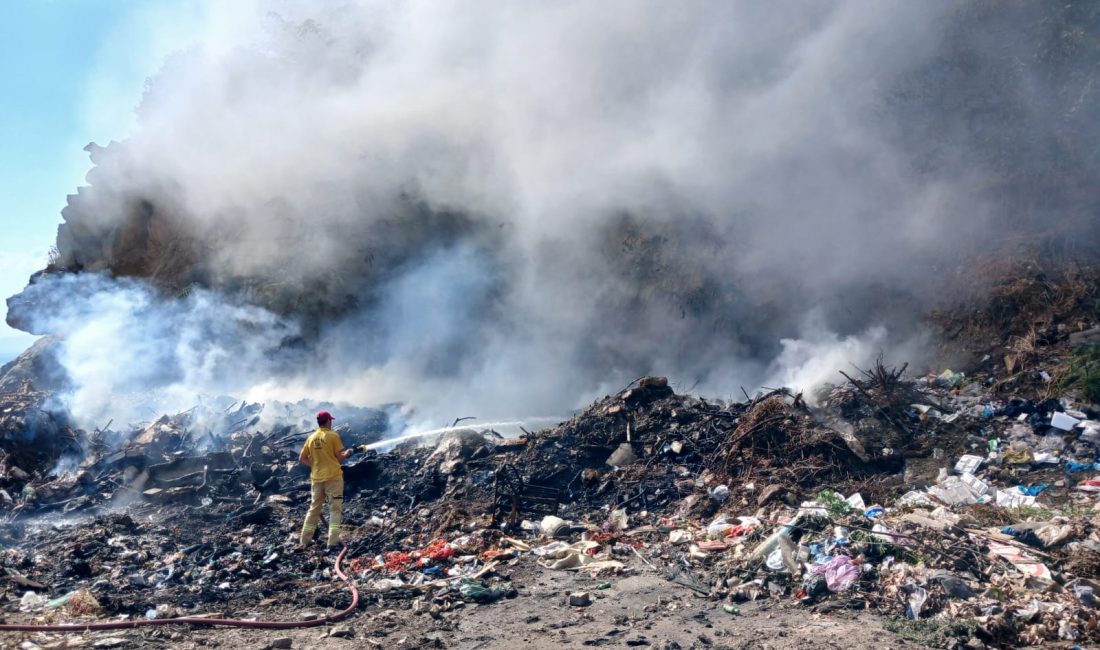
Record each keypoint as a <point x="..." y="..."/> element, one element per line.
<point x="321" y="448"/>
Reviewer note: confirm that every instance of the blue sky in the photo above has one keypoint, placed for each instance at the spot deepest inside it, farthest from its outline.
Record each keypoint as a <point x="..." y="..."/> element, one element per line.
<point x="71" y="72"/>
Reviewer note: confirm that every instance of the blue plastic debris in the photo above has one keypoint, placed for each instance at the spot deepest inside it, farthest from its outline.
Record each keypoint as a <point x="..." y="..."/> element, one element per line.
<point x="1026" y="536"/>
<point x="1073" y="467"/>
<point x="1033" y="490"/>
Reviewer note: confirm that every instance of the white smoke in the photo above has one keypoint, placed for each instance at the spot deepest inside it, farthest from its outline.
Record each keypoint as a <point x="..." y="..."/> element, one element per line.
<point x="131" y="355"/>
<point x="468" y="175"/>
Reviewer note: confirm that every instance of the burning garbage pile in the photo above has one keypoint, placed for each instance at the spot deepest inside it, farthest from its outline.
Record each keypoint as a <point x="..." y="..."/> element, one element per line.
<point x="207" y="453"/>
<point x="932" y="502"/>
<point x="31" y="436"/>
<point x="982" y="543"/>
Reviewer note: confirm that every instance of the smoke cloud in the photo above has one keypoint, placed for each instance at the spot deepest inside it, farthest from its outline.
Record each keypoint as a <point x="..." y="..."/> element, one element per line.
<point x="130" y="355"/>
<point x="503" y="209"/>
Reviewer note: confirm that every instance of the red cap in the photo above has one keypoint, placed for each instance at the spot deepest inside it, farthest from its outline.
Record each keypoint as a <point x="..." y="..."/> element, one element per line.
<point x="323" y="416"/>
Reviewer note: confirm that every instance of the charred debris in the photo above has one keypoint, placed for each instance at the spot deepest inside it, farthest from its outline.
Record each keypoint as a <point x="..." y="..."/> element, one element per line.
<point x="936" y="499"/>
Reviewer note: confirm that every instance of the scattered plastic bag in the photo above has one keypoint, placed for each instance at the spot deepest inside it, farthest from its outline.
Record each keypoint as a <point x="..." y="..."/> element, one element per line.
<point x="813" y="587"/>
<point x="1054" y="534"/>
<point x="1086" y="593"/>
<point x="1012" y="498"/>
<point x="1091" y="434"/>
<point x="949" y="378"/>
<point x="1052" y="442"/>
<point x="775" y="561"/>
<point x="1091" y="485"/>
<point x="953" y="491"/>
<point x="1074" y="467"/>
<point x="618" y="520"/>
<point x="680" y="536"/>
<point x="915" y="498"/>
<point x="480" y="593"/>
<point x="1023" y="534"/>
<point x="955" y="586"/>
<point x="383" y="585"/>
<point x="839" y="573"/>
<point x="746" y="525"/>
<point x="1025" y="562"/>
<point x="748" y="591"/>
<point x="840" y="536"/>
<point x="813" y="509"/>
<point x="570" y="556"/>
<point x="61" y="600"/>
<point x="884" y="534"/>
<point x="551" y="549"/>
<point x="916" y="601"/>
<point x="1032" y="490"/>
<point x="856" y="501"/>
<point x="32" y="601"/>
<point x="718" y="528"/>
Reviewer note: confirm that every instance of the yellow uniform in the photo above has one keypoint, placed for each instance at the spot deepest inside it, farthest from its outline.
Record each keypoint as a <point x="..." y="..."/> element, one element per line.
<point x="321" y="448"/>
<point x="327" y="476"/>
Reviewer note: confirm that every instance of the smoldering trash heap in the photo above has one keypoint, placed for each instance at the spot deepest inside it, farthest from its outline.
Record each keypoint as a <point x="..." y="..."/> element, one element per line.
<point x="706" y="325"/>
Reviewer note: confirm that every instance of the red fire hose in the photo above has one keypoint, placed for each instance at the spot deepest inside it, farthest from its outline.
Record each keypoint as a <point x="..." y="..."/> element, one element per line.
<point x="193" y="620"/>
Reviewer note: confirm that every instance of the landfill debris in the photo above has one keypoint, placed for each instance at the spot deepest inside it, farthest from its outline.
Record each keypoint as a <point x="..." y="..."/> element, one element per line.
<point x="552" y="526"/>
<point x="984" y="533"/>
<point x="623" y="455"/>
<point x="1024" y="562"/>
<point x="917" y="597"/>
<point x="968" y="464"/>
<point x="482" y="593"/>
<point x="1060" y="420"/>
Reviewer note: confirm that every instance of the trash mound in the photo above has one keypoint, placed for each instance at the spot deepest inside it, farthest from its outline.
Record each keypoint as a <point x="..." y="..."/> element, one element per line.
<point x="998" y="547"/>
<point x="209" y="451"/>
<point x="642" y="444"/>
<point x="774" y="443"/>
<point x="932" y="501"/>
<point x="36" y="369"/>
<point x="33" y="437"/>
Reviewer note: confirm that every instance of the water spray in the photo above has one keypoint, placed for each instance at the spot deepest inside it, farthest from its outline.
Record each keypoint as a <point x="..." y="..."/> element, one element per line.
<point x="434" y="432"/>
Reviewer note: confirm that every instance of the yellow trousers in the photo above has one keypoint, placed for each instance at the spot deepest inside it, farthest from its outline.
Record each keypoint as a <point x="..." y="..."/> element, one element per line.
<point x="333" y="492"/>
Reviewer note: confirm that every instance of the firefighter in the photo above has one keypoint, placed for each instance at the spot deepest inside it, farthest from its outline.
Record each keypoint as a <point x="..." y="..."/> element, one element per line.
<point x="323" y="452"/>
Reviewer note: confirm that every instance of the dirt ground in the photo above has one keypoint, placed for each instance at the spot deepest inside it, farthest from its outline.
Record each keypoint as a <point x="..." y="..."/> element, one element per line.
<point x="639" y="609"/>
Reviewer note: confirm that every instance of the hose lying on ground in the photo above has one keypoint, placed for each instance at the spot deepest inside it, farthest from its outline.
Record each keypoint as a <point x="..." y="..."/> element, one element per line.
<point x="195" y="620"/>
